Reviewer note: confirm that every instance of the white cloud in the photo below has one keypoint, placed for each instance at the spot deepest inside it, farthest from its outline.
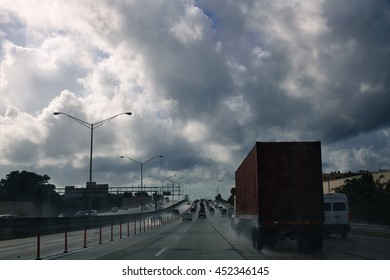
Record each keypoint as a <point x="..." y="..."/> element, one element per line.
<point x="204" y="81"/>
<point x="189" y="27"/>
<point x="195" y="132"/>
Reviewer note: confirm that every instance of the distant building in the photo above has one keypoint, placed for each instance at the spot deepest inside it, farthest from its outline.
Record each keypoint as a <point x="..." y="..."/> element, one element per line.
<point x="337" y="179"/>
<point x="73" y="192"/>
<point x="97" y="190"/>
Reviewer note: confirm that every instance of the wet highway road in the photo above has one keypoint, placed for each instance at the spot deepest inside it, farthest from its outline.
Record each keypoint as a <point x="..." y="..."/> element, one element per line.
<point x="210" y="238"/>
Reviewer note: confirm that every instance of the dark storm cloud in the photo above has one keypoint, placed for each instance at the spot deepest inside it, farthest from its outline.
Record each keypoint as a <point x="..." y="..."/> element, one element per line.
<point x="353" y="55"/>
<point x="358" y="68"/>
<point x="346" y="95"/>
<point x="204" y="80"/>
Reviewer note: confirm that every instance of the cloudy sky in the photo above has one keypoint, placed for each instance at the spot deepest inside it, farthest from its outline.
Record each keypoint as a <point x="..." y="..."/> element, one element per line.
<point x="204" y="79"/>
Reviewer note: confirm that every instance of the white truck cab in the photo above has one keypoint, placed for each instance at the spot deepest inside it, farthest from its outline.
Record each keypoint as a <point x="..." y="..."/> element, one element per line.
<point x="337" y="215"/>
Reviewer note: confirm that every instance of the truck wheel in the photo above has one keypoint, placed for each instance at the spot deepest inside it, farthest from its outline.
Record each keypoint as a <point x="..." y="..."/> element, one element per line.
<point x="269" y="238"/>
<point x="300" y="244"/>
<point x="254" y="237"/>
<point x="257" y="238"/>
<point x="238" y="231"/>
<point x="261" y="239"/>
<point x="311" y="240"/>
<point x="316" y="241"/>
<point x="344" y="235"/>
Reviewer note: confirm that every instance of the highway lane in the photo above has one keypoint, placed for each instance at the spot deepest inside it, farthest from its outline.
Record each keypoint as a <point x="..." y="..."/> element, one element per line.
<point x="213" y="238"/>
<point x="180" y="240"/>
<point x="372" y="244"/>
<point x="54" y="244"/>
<point x="210" y="238"/>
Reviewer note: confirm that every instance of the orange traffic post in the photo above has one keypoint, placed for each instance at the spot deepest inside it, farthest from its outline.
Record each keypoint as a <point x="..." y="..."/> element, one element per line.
<point x="112" y="231"/>
<point x="66" y="241"/>
<point x="38" y="245"/>
<point x="85" y="237"/>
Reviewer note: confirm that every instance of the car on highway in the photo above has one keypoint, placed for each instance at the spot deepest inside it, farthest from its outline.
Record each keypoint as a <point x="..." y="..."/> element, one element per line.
<point x="80" y="214"/>
<point x="7" y="216"/>
<point x="114" y="209"/>
<point x="187" y="216"/>
<point x="202" y="214"/>
<point x="91" y="212"/>
<point x="63" y="215"/>
<point x="337" y="215"/>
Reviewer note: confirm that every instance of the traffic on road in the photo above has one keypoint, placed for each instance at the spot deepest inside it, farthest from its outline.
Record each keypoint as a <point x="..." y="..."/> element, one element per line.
<point x="188" y="235"/>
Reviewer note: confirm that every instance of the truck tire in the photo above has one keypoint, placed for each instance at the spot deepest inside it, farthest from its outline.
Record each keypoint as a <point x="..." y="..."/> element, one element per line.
<point x="237" y="230"/>
<point x="316" y="241"/>
<point x="254" y="237"/>
<point x="269" y="238"/>
<point x="344" y="234"/>
<point x="311" y="240"/>
<point x="258" y="240"/>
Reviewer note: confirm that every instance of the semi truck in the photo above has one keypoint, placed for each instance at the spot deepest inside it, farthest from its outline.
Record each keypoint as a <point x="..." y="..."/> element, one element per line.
<point x="279" y="194"/>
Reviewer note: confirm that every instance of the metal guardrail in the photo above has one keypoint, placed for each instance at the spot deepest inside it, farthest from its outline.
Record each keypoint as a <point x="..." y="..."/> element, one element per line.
<point x="370" y="225"/>
<point x="24" y="227"/>
<point x="371" y="230"/>
<point x="122" y="224"/>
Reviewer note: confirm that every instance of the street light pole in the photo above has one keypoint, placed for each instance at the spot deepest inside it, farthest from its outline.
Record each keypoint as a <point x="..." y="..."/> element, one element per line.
<point x="162" y="184"/>
<point x="91" y="126"/>
<point x="90" y="157"/>
<point x="141" y="163"/>
<point x="173" y="187"/>
<point x="162" y="187"/>
<point x="182" y="184"/>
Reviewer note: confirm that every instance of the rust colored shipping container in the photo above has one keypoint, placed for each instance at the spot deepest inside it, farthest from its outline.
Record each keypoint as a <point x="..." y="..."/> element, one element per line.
<point x="279" y="188"/>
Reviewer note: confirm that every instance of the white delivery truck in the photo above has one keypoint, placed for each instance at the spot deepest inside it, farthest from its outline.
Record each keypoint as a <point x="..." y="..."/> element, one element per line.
<point x="337" y="215"/>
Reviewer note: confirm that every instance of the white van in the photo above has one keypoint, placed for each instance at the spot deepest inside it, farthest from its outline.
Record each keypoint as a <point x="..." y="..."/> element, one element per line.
<point x="337" y="216"/>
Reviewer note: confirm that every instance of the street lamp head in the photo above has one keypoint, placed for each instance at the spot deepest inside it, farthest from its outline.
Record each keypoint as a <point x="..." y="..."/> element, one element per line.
<point x="128" y="113"/>
<point x="56" y="113"/>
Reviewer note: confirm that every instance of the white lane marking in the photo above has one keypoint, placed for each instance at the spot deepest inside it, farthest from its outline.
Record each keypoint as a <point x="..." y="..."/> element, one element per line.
<point x="161" y="251"/>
